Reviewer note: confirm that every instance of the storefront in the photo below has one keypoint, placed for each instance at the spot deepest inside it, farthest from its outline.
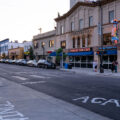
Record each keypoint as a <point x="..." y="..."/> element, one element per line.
<point x="109" y="55"/>
<point x="82" y="57"/>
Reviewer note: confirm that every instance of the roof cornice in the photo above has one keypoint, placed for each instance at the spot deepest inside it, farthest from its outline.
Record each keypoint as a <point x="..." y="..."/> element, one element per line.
<point x="87" y="4"/>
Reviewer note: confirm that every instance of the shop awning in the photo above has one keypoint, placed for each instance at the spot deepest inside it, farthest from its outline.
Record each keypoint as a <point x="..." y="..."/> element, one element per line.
<point x="111" y="52"/>
<point x="107" y="52"/>
<point x="54" y="54"/>
<point x="80" y="53"/>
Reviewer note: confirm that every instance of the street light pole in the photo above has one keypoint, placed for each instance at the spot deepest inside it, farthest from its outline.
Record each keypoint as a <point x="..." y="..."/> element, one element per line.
<point x="43" y="46"/>
<point x="101" y="38"/>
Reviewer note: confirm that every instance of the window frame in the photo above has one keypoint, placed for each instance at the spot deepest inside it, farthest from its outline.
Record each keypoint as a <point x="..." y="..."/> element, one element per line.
<point x="112" y="11"/>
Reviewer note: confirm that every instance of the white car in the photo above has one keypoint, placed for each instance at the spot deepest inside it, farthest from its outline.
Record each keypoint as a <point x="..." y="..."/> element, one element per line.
<point x="32" y="63"/>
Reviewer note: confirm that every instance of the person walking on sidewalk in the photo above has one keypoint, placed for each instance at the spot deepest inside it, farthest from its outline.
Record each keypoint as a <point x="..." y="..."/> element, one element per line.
<point x="95" y="66"/>
<point x="113" y="66"/>
<point x="116" y="63"/>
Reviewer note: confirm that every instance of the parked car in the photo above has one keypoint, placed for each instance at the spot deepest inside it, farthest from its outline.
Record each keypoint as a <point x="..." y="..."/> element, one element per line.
<point x="13" y="61"/>
<point x="2" y="60"/>
<point x="32" y="63"/>
<point x="23" y="62"/>
<point x="10" y="61"/>
<point x="46" y="64"/>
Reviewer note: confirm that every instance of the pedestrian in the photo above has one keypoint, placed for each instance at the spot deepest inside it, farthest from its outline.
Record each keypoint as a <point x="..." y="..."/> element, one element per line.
<point x="113" y="66"/>
<point x="95" y="66"/>
<point x="116" y="63"/>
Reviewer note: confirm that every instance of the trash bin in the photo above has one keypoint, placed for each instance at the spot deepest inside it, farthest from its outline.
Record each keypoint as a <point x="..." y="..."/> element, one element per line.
<point x="66" y="66"/>
<point x="69" y="66"/>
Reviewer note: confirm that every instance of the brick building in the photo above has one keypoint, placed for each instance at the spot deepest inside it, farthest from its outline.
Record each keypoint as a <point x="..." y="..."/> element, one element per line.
<point x="79" y="35"/>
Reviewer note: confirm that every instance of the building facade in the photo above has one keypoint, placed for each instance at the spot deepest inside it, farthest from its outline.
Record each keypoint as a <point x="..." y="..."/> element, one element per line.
<point x="78" y="33"/>
<point x="16" y="53"/>
<point x="4" y="48"/>
<point x="27" y="45"/>
<point x="44" y="44"/>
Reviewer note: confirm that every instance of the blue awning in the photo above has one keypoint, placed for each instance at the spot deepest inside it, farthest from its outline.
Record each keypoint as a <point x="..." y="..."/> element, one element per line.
<point x="108" y="52"/>
<point x="81" y="53"/>
<point x="54" y="54"/>
<point x="111" y="52"/>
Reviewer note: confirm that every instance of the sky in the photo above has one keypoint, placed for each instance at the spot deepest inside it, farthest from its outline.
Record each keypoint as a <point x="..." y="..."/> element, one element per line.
<point x="21" y="19"/>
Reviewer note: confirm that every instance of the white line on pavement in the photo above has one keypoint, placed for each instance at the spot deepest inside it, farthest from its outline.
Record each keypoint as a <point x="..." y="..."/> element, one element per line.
<point x="19" y="77"/>
<point x="33" y="82"/>
<point x="36" y="76"/>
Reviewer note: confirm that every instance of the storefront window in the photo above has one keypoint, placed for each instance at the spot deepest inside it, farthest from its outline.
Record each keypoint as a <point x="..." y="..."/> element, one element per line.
<point x="77" y="59"/>
<point x="71" y="59"/>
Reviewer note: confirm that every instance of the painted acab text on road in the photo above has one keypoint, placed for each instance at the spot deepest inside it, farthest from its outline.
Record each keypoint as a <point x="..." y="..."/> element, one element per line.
<point x="98" y="100"/>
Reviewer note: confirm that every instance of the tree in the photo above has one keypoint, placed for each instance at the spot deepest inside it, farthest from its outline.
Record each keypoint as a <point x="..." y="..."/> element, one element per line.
<point x="59" y="55"/>
<point x="31" y="54"/>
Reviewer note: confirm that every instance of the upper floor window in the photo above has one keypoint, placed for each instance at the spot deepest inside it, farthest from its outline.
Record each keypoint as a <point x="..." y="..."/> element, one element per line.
<point x="61" y="29"/>
<point x="35" y="43"/>
<point x="81" y="24"/>
<point x="51" y="43"/>
<point x="43" y="44"/>
<point x="111" y="16"/>
<point x="78" y="42"/>
<point x="73" y="42"/>
<point x="63" y="44"/>
<point x="90" y="21"/>
<point x="83" y="41"/>
<point x="89" y="40"/>
<point x="72" y="26"/>
<point x="107" y="39"/>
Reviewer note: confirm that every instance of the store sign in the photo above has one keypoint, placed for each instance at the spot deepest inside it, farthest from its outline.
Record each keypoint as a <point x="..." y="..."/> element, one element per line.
<point x="80" y="50"/>
<point x="108" y="48"/>
<point x="49" y="51"/>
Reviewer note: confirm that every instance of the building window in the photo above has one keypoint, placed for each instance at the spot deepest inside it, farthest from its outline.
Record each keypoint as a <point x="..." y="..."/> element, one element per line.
<point x="42" y="44"/>
<point x="63" y="44"/>
<point x="78" y="42"/>
<point x="90" y="21"/>
<point x="51" y="43"/>
<point x="72" y="26"/>
<point x="35" y="44"/>
<point x="83" y="41"/>
<point x="111" y="16"/>
<point x="62" y="29"/>
<point x="107" y="39"/>
<point x="89" y="41"/>
<point x="81" y="24"/>
<point x="73" y="42"/>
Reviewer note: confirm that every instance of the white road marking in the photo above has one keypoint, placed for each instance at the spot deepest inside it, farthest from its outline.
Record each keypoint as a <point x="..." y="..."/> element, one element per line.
<point x="98" y="100"/>
<point x="33" y="82"/>
<point x="36" y="76"/>
<point x="8" y="112"/>
<point x="19" y="77"/>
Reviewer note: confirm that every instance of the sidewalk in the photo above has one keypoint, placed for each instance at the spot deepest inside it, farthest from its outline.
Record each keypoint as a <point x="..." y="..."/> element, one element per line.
<point x="90" y="71"/>
<point x="32" y="105"/>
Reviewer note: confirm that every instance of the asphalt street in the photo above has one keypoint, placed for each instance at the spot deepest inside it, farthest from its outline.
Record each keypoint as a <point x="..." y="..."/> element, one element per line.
<point x="99" y="94"/>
